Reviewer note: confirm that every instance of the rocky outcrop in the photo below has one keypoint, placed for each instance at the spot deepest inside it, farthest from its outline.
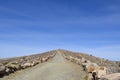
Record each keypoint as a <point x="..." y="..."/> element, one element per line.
<point x="2" y="70"/>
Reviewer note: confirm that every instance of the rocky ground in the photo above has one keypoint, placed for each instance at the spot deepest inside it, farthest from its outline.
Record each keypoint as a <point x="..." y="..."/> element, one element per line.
<point x="57" y="68"/>
<point x="59" y="65"/>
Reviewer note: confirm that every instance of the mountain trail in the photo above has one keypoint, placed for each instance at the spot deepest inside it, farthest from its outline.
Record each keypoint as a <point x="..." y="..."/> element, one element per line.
<point x="57" y="68"/>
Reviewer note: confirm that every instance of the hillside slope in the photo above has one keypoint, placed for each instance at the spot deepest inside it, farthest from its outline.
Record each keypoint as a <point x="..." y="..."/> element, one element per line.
<point x="114" y="66"/>
<point x="57" y="65"/>
<point x="56" y="69"/>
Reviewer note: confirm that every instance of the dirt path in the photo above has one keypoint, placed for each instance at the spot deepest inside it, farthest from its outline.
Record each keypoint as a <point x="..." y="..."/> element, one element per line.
<point x="56" y="69"/>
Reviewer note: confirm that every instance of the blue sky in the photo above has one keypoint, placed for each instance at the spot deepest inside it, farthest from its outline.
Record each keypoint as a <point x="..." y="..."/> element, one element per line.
<point x="34" y="26"/>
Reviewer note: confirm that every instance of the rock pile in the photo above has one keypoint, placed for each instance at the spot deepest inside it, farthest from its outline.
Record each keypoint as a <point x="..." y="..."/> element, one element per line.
<point x="23" y="63"/>
<point x="94" y="70"/>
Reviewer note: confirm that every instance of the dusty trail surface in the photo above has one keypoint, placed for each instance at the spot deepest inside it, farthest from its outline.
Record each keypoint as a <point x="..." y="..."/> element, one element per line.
<point x="56" y="69"/>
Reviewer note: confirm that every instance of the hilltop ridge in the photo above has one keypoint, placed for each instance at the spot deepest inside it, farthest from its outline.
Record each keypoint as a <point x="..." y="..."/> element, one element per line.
<point x="99" y="61"/>
<point x="86" y="63"/>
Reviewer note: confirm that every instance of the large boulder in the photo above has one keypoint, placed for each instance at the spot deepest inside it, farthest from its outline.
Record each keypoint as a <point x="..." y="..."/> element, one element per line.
<point x="26" y="65"/>
<point x="102" y="71"/>
<point x="44" y="59"/>
<point x="13" y="65"/>
<point x="35" y="62"/>
<point x="89" y="66"/>
<point x="2" y="70"/>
